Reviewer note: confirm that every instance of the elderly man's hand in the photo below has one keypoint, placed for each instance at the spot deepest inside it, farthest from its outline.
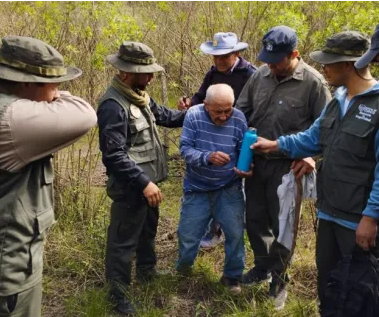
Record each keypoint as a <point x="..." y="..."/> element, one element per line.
<point x="184" y="103"/>
<point x="304" y="166"/>
<point x="265" y="146"/>
<point x="153" y="194"/>
<point x="366" y="233"/>
<point x="219" y="158"/>
<point x="242" y="174"/>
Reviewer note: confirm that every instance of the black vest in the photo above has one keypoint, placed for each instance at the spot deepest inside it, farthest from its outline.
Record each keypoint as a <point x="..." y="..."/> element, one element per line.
<point x="346" y="172"/>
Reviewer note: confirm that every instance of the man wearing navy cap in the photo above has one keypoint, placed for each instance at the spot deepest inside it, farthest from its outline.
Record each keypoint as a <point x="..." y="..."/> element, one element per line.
<point x="284" y="96"/>
<point x="347" y="136"/>
<point x="229" y="68"/>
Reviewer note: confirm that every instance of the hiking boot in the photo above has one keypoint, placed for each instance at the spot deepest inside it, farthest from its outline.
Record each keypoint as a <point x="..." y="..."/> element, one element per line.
<point x="278" y="292"/>
<point x="208" y="242"/>
<point x="255" y="276"/>
<point x="124" y="306"/>
<point x="232" y="284"/>
<point x="149" y="275"/>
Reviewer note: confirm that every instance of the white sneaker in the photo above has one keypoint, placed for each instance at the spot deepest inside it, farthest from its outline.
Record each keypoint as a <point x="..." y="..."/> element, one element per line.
<point x="207" y="243"/>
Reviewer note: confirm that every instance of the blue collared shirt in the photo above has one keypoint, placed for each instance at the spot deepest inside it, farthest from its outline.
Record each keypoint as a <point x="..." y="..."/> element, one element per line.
<point x="305" y="144"/>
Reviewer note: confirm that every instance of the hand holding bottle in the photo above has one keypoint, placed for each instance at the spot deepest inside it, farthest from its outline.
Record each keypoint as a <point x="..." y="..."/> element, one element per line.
<point x="265" y="145"/>
<point x="242" y="174"/>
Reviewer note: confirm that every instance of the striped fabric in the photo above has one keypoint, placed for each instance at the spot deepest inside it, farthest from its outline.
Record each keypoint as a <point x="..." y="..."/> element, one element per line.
<point x="200" y="137"/>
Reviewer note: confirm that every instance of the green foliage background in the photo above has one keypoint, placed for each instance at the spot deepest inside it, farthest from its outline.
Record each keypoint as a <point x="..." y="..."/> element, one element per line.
<point x="85" y="33"/>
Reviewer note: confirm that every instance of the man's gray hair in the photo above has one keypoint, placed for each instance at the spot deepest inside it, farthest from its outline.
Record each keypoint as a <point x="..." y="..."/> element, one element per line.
<point x="219" y="91"/>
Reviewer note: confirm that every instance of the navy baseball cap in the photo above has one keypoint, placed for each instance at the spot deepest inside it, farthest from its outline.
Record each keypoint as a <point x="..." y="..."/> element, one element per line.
<point x="277" y="43"/>
<point x="367" y="58"/>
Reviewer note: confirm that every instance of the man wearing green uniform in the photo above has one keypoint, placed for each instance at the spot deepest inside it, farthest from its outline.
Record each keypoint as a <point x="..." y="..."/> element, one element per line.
<point x="136" y="162"/>
<point x="36" y="120"/>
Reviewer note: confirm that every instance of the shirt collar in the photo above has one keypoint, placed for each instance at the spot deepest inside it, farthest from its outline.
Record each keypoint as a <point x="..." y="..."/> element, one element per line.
<point x="234" y="66"/>
<point x="341" y="92"/>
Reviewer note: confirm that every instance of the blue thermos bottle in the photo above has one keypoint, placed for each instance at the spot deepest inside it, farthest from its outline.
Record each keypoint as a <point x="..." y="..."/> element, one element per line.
<point x="246" y="155"/>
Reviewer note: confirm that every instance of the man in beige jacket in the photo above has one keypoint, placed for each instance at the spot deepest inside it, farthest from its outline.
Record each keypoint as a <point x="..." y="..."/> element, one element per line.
<point x="36" y="120"/>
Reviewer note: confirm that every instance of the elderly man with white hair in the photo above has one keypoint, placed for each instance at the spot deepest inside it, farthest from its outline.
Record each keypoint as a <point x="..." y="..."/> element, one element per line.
<point x="210" y="144"/>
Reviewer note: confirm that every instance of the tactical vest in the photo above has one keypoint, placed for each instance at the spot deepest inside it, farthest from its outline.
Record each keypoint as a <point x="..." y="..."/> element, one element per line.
<point x="346" y="172"/>
<point x="143" y="143"/>
<point x="26" y="211"/>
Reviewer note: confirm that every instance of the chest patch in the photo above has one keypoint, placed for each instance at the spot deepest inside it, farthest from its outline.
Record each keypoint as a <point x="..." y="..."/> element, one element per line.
<point x="365" y="113"/>
<point x="135" y="111"/>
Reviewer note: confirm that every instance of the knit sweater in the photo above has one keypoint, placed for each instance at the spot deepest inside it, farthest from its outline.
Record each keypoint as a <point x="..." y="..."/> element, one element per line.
<point x="200" y="137"/>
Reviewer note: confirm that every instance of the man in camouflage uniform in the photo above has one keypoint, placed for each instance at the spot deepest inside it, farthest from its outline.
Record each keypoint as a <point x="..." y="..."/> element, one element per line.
<point x="36" y="120"/>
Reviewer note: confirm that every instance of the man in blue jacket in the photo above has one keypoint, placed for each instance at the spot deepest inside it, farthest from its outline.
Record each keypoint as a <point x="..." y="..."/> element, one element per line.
<point x="231" y="69"/>
<point x="346" y="134"/>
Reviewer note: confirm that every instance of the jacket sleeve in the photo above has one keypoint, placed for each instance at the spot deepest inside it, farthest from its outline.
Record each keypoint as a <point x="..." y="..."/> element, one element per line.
<point x="372" y="207"/>
<point x="188" y="150"/>
<point x="166" y="117"/>
<point x="37" y="129"/>
<point x="245" y="99"/>
<point x="113" y="129"/>
<point x="199" y="97"/>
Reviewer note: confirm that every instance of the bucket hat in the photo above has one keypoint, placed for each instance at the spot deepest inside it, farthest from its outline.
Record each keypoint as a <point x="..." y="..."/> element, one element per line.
<point x="347" y="46"/>
<point x="277" y="43"/>
<point x="222" y="44"/>
<point x="135" y="57"/>
<point x="371" y="53"/>
<point x="26" y="59"/>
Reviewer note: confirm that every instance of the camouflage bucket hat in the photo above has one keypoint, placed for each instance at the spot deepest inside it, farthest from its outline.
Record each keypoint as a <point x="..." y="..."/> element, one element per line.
<point x="135" y="57"/>
<point x="346" y="46"/>
<point x="26" y="59"/>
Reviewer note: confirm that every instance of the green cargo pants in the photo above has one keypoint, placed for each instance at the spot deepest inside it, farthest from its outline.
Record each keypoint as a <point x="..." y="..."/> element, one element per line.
<point x="132" y="230"/>
<point x="24" y="304"/>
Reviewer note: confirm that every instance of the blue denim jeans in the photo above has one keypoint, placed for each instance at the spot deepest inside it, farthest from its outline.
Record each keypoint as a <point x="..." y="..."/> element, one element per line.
<point x="226" y="206"/>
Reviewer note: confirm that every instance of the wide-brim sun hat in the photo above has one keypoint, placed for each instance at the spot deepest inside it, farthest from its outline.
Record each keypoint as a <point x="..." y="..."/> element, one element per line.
<point x="369" y="56"/>
<point x="223" y="44"/>
<point x="26" y="59"/>
<point x="347" y="46"/>
<point x="135" y="57"/>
